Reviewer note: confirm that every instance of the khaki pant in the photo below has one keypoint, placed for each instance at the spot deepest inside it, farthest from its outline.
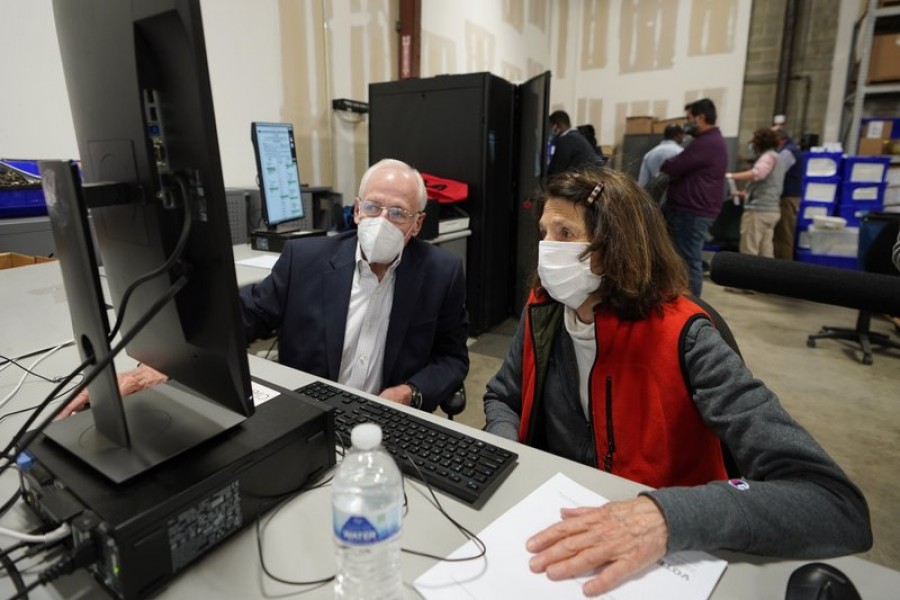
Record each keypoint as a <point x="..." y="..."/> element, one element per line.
<point x="787" y="225"/>
<point x="757" y="230"/>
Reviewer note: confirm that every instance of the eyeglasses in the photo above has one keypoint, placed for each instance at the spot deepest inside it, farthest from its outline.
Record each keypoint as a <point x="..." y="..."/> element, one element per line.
<point x="395" y="214"/>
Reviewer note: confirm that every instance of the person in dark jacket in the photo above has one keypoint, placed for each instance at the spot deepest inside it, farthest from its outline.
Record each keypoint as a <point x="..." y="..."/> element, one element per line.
<point x="696" y="188"/>
<point x="792" y="159"/>
<point x="571" y="149"/>
<point x="614" y="366"/>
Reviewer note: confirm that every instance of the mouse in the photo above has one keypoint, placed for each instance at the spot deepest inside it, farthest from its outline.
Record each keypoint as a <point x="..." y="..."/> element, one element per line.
<point x="820" y="581"/>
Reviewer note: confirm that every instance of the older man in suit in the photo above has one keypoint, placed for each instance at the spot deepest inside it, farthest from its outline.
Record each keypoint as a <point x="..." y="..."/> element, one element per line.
<point x="375" y="309"/>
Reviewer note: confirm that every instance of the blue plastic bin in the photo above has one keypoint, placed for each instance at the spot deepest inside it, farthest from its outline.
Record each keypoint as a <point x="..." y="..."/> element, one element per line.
<point x="866" y="169"/>
<point x="25" y="201"/>
<point x="822" y="164"/>
<point x="821" y="189"/>
<point x="842" y="262"/>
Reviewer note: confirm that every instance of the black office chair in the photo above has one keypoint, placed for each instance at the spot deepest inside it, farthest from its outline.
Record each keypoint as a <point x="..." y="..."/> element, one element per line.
<point x="875" y="257"/>
<point x="722" y="327"/>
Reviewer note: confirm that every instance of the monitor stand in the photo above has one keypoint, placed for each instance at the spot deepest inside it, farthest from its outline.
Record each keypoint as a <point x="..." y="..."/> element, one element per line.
<point x="163" y="422"/>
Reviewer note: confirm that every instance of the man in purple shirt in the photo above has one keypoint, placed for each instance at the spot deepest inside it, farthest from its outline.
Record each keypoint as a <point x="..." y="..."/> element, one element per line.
<point x="697" y="188"/>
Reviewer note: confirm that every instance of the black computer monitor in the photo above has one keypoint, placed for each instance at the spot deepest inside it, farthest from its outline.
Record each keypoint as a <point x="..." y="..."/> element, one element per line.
<point x="277" y="173"/>
<point x="138" y="85"/>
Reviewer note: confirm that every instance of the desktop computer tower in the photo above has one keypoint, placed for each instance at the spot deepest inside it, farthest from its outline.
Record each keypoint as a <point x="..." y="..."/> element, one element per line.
<point x="479" y="129"/>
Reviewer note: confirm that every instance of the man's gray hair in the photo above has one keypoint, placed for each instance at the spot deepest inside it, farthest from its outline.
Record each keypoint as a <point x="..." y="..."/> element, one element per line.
<point x="421" y="194"/>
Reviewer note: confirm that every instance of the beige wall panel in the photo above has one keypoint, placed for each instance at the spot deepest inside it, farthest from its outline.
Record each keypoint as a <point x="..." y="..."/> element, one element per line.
<point x="594" y="33"/>
<point x="562" y="38"/>
<point x="481" y="47"/>
<point x="647" y="35"/>
<point x="660" y="109"/>
<point x="538" y="11"/>
<point x="438" y="55"/>
<point x="511" y="72"/>
<point x="590" y="112"/>
<point x="713" y="24"/>
<point x="306" y="87"/>
<point x="534" y="68"/>
<point x="514" y="14"/>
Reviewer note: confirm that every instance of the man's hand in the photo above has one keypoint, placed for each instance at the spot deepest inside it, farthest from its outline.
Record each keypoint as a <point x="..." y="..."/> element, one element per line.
<point x="622" y="537"/>
<point x="130" y="382"/>
<point x="401" y="394"/>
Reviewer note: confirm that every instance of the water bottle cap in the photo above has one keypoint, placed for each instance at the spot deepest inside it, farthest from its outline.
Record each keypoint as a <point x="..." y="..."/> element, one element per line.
<point x="365" y="436"/>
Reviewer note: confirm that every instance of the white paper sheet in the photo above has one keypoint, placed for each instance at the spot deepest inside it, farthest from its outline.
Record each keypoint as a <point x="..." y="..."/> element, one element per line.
<point x="261" y="262"/>
<point x="504" y="573"/>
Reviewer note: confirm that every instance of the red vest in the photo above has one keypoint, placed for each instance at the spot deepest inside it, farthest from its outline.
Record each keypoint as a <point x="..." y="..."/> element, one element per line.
<point x="646" y="426"/>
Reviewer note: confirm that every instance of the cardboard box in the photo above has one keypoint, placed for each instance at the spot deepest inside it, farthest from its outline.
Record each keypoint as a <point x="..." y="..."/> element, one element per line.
<point x="884" y="61"/>
<point x="872" y="147"/>
<point x="639" y="125"/>
<point x="878" y="129"/>
<point x="11" y="260"/>
<point x="660" y="125"/>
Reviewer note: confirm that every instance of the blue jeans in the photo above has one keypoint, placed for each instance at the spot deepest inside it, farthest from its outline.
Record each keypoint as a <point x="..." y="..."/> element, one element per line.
<point x="688" y="231"/>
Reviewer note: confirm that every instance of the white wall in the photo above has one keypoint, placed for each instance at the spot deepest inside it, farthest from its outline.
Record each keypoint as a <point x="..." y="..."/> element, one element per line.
<point x="245" y="73"/>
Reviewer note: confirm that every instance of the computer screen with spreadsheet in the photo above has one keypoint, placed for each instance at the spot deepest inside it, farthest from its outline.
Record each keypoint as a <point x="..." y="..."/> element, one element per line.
<point x="277" y="171"/>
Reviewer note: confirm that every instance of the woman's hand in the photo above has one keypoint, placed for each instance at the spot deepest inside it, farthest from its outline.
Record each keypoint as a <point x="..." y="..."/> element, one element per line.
<point x="622" y="537"/>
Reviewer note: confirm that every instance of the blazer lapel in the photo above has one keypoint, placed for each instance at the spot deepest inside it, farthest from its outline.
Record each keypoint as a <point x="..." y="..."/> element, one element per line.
<point x="337" y="283"/>
<point x="407" y="291"/>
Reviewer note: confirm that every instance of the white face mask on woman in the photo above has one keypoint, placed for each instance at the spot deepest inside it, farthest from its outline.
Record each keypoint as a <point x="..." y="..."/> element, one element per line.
<point x="564" y="274"/>
<point x="380" y="240"/>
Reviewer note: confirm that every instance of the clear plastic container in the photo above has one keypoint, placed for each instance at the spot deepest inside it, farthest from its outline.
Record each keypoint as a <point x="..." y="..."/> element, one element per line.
<point x="367" y="508"/>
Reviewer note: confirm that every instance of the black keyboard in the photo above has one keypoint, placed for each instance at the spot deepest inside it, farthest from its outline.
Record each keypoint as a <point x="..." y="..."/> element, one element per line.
<point x="455" y="463"/>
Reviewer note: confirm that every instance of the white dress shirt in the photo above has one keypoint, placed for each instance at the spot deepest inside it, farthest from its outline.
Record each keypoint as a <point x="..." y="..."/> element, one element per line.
<point x="368" y="317"/>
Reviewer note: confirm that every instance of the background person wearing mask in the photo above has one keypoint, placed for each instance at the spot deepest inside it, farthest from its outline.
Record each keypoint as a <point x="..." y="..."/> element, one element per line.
<point x="762" y="197"/>
<point x="571" y="149"/>
<point x="615" y="367"/>
<point x="375" y="309"/>
<point x="696" y="188"/>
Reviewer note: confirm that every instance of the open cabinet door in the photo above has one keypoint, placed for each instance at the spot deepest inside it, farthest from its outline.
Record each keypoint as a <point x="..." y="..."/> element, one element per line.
<point x="532" y="103"/>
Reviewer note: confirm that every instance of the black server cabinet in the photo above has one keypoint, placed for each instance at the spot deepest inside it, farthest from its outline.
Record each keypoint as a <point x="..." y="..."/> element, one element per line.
<point x="466" y="127"/>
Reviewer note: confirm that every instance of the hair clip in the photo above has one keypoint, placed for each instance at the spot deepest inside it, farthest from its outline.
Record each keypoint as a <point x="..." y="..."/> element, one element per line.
<point x="597" y="190"/>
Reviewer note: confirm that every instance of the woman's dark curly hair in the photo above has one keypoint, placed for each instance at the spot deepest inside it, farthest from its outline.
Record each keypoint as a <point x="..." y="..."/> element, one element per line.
<point x="764" y="139"/>
<point x="629" y="243"/>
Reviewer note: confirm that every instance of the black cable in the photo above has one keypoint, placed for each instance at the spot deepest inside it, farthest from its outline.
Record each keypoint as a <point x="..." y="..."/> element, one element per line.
<point x="269" y="351"/>
<point x="23" y="438"/>
<point x="482" y="548"/>
<point x="83" y="555"/>
<point x="11" y="413"/>
<point x="11" y="502"/>
<point x="27" y="370"/>
<point x="176" y="254"/>
<point x="14" y="574"/>
<point x="40" y="351"/>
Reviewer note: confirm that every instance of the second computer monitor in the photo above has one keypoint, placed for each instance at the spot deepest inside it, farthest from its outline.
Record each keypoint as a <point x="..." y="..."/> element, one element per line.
<point x="279" y="175"/>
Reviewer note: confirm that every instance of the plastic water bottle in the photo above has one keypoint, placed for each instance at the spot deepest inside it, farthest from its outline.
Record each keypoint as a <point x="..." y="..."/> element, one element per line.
<point x="367" y="503"/>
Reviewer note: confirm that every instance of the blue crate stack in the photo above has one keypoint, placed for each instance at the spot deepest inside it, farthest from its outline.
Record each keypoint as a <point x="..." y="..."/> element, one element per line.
<point x="838" y="185"/>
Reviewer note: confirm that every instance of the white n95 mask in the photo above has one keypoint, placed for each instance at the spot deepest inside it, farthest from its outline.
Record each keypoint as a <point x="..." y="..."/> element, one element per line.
<point x="564" y="274"/>
<point x="380" y="240"/>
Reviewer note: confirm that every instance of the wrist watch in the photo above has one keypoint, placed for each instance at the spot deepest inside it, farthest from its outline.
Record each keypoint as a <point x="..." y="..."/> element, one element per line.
<point x="416" y="400"/>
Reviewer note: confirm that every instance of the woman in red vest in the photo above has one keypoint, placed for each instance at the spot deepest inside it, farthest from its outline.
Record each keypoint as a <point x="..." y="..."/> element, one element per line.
<point x="614" y="366"/>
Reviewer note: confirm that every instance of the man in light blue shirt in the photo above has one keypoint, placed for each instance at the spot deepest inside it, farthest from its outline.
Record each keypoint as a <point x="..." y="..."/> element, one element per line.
<point x="666" y="149"/>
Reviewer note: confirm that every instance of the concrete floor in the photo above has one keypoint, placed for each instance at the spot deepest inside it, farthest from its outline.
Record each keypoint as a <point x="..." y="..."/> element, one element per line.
<point x="852" y="409"/>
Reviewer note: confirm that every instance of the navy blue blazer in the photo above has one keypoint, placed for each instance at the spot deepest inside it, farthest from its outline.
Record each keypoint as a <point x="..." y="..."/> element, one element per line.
<point x="307" y="296"/>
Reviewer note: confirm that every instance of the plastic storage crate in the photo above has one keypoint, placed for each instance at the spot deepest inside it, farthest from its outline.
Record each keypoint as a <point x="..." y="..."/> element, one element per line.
<point x="808" y="210"/>
<point x="834" y="242"/>
<point x="821" y="189"/>
<point x="21" y="200"/>
<point x="822" y="164"/>
<point x="866" y="169"/>
<point x="842" y="262"/>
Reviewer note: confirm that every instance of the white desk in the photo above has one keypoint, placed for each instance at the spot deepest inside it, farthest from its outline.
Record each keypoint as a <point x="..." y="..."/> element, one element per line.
<point x="298" y="541"/>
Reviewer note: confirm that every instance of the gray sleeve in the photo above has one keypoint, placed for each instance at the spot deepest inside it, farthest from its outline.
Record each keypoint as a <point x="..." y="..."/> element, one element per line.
<point x="796" y="503"/>
<point x="503" y="396"/>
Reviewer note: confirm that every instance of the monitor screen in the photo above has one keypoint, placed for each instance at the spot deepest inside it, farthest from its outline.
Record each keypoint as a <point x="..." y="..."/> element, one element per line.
<point x="138" y="85"/>
<point x="277" y="171"/>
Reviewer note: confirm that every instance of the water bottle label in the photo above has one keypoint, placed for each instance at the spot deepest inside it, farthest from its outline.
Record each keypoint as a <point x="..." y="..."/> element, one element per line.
<point x="357" y="530"/>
